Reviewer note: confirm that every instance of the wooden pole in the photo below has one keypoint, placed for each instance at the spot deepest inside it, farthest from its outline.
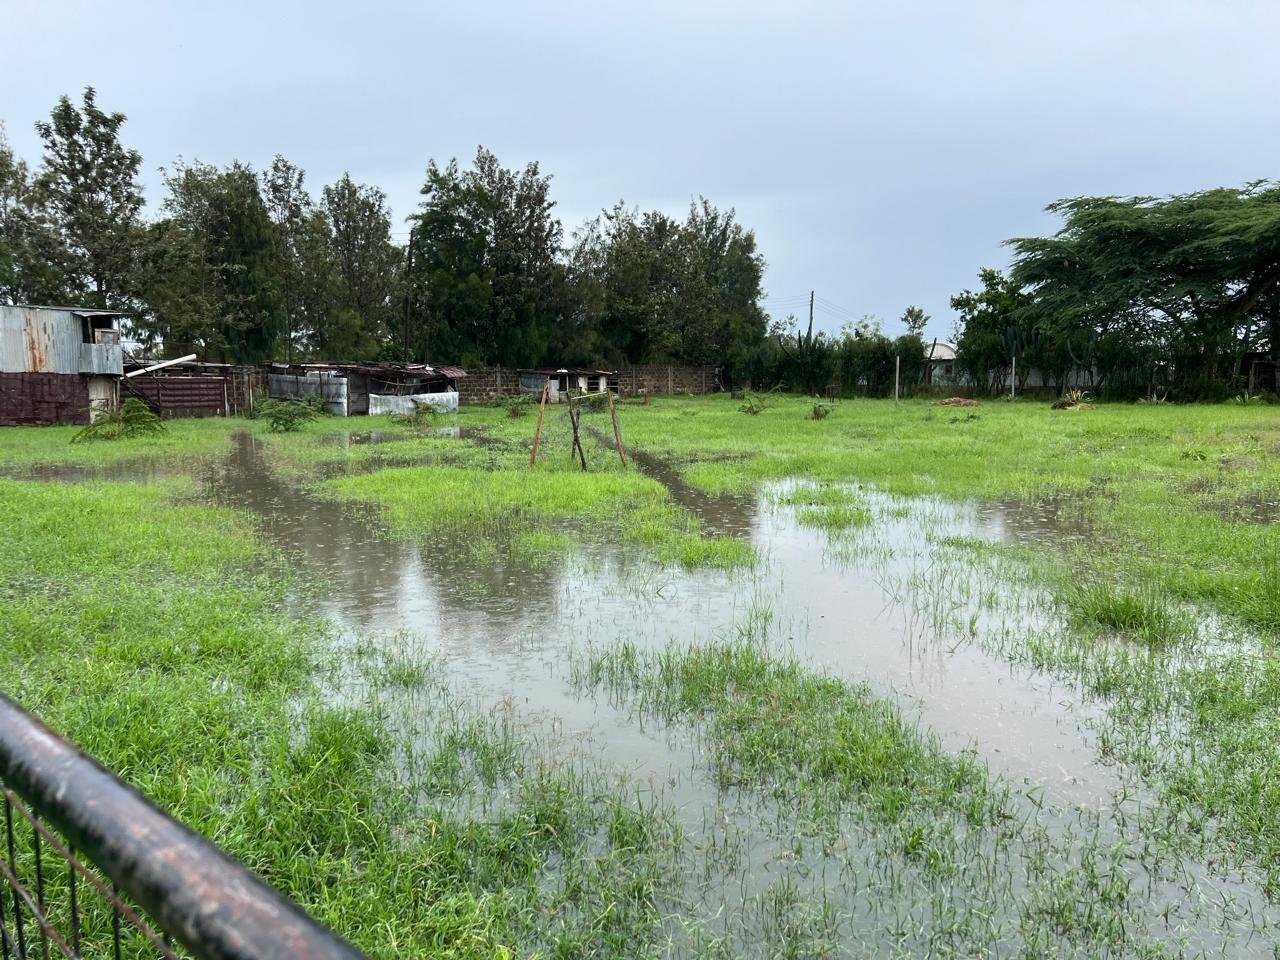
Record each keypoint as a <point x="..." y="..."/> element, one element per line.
<point x="577" y="441"/>
<point x="617" y="434"/>
<point x="897" y="370"/>
<point x="533" y="456"/>
<point x="1013" y="380"/>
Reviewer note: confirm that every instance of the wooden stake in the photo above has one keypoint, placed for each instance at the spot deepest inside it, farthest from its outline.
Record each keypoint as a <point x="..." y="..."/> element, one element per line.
<point x="577" y="442"/>
<point x="617" y="434"/>
<point x="533" y="456"/>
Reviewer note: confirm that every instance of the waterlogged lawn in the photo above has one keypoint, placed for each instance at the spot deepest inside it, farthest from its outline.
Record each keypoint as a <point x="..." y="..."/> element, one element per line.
<point x="183" y="443"/>
<point x="150" y="629"/>
<point x="1182" y="496"/>
<point x="518" y="507"/>
<point x="153" y="629"/>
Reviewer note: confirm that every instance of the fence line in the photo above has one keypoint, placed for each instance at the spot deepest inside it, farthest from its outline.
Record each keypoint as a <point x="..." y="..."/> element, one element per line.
<point x="135" y="879"/>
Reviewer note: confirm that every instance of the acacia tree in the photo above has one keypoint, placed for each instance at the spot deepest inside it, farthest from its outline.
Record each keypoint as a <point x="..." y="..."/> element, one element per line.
<point x="88" y="198"/>
<point x="1184" y="279"/>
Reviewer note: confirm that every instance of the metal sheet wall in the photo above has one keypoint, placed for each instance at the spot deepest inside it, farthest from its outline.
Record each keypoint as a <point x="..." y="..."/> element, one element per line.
<point x="179" y="396"/>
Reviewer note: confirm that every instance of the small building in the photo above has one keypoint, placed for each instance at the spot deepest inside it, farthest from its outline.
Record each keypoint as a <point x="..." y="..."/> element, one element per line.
<point x="358" y="389"/>
<point x="562" y="381"/>
<point x="940" y="363"/>
<point x="58" y="364"/>
<point x="189" y="387"/>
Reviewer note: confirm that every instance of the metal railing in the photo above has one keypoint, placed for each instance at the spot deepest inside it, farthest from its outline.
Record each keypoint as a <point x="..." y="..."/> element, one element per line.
<point x="90" y="868"/>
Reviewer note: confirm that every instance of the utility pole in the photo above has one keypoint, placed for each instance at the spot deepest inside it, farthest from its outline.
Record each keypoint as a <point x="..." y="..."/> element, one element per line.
<point x="810" y="311"/>
<point x="408" y="293"/>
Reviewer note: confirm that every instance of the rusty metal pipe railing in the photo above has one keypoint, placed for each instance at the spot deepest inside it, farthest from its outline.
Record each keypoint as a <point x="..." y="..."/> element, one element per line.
<point x="194" y="892"/>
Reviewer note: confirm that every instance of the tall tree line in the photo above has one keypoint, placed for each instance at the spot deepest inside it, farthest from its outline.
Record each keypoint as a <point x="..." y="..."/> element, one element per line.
<point x="245" y="265"/>
<point x="1168" y="296"/>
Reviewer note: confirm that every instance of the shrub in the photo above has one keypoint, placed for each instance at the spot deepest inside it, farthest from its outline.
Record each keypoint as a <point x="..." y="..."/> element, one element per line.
<point x="820" y="410"/>
<point x="132" y="419"/>
<point x="753" y="403"/>
<point x="420" y="417"/>
<point x="286" y="416"/>
<point x="519" y="405"/>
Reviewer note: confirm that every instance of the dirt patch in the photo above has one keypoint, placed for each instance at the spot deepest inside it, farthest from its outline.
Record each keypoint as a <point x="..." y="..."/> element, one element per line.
<point x="956" y="402"/>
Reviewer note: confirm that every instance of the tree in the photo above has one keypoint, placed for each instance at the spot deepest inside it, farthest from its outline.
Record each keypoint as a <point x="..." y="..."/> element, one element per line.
<point x="654" y="290"/>
<point x="986" y="332"/>
<point x="367" y="262"/>
<point x="88" y="193"/>
<point x="809" y="358"/>
<point x="15" y="185"/>
<point x="487" y="275"/>
<point x="289" y="208"/>
<point x="1184" y="279"/>
<point x="915" y="320"/>
<point x="212" y="266"/>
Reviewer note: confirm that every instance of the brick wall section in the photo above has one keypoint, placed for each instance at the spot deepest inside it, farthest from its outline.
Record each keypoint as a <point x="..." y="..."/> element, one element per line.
<point x="657" y="379"/>
<point x="484" y="385"/>
<point x="43" y="398"/>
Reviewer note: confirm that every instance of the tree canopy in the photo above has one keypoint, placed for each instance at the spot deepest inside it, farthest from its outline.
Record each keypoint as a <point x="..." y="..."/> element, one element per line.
<point x="1146" y="290"/>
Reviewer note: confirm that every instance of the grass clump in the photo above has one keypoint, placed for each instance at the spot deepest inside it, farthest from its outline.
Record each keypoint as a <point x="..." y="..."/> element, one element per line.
<point x="286" y="416"/>
<point x="1141" y="612"/>
<point x="804" y="736"/>
<point x="529" y="510"/>
<point x="131" y="419"/>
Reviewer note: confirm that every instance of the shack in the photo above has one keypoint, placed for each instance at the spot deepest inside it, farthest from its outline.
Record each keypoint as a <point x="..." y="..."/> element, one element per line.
<point x="58" y="364"/>
<point x="564" y="380"/>
<point x="358" y="389"/>
<point x="189" y="388"/>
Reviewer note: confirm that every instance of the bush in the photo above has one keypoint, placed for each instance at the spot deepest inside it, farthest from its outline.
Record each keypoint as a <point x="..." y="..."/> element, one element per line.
<point x="286" y="416"/>
<point x="753" y="403"/>
<point x="421" y="417"/>
<point x="820" y="410"/>
<point x="132" y="419"/>
<point x="519" y="405"/>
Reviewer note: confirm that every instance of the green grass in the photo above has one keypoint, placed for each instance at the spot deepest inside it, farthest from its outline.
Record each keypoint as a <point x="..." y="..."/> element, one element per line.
<point x="473" y="509"/>
<point x="849" y="771"/>
<point x="1143" y="613"/>
<point x="151" y="630"/>
<point x="182" y="443"/>
<point x="1150" y="479"/>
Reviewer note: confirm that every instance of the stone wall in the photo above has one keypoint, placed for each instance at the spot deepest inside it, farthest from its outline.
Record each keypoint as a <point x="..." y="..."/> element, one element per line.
<point x="43" y="398"/>
<point x="484" y="385"/>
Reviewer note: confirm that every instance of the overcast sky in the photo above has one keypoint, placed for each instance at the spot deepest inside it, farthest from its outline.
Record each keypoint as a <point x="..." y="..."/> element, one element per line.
<point x="880" y="151"/>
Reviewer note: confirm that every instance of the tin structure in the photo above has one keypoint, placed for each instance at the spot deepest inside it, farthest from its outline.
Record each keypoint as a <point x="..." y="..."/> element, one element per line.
<point x="58" y="364"/>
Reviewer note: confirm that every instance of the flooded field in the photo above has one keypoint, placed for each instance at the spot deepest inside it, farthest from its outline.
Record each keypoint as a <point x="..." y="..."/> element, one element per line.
<point x="878" y="729"/>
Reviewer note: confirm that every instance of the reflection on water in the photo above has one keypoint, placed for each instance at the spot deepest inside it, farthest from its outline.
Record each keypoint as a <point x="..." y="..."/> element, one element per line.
<point x="507" y="626"/>
<point x="882" y="606"/>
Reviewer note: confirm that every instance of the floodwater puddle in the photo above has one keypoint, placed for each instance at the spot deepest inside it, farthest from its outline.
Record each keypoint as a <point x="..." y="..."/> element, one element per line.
<point x="883" y="604"/>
